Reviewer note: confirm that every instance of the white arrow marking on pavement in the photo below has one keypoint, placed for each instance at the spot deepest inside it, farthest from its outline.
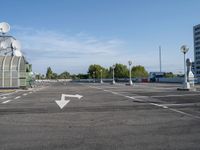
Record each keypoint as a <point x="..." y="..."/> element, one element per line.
<point x="61" y="103"/>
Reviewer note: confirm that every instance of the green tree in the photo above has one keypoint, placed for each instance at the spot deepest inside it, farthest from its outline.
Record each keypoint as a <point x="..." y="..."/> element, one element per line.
<point x="106" y="73"/>
<point x="49" y="73"/>
<point x="64" y="75"/>
<point x="139" y="72"/>
<point x="121" y="71"/>
<point x="74" y="76"/>
<point x="169" y="75"/>
<point x="54" y="76"/>
<point x="82" y="76"/>
<point x="95" y="71"/>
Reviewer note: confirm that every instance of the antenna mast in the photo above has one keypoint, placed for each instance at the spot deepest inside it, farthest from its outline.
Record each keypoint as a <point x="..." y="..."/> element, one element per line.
<point x="160" y="61"/>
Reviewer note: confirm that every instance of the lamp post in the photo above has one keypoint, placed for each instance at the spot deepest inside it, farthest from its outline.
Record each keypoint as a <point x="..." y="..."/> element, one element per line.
<point x="184" y="49"/>
<point x="101" y="76"/>
<point x="113" y="68"/>
<point x="94" y="76"/>
<point x="130" y="80"/>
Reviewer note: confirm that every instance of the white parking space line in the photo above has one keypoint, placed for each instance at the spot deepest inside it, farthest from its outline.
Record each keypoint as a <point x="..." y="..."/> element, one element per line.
<point x="184" y="113"/>
<point x="154" y="104"/>
<point x="184" y="104"/>
<point x="6" y="102"/>
<point x="114" y="93"/>
<point x="25" y="94"/>
<point x="106" y="90"/>
<point x="17" y="97"/>
<point x="155" y="87"/>
<point x="159" y="105"/>
<point x="138" y="96"/>
<point x="130" y="97"/>
<point x="175" y="95"/>
<point x="30" y="92"/>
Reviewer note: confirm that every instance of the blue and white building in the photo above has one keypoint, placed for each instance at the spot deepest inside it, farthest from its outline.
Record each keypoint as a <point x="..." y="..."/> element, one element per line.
<point x="196" y="33"/>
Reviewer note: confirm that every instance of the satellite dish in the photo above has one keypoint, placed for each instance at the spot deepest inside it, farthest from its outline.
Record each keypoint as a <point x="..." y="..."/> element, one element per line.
<point x="17" y="53"/>
<point x="16" y="45"/>
<point x="4" y="27"/>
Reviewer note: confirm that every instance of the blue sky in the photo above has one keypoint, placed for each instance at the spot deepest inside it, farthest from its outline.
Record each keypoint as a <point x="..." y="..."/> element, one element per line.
<point x="72" y="34"/>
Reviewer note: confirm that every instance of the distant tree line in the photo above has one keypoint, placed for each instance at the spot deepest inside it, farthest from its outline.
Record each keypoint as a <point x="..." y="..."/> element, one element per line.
<point x="95" y="70"/>
<point x="52" y="75"/>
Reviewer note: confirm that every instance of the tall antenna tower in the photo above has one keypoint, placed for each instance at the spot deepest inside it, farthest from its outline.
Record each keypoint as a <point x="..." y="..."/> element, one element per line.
<point x="160" y="59"/>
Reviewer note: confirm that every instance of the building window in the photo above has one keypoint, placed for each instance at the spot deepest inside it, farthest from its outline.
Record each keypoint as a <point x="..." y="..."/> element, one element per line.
<point x="197" y="43"/>
<point x="197" y="53"/>
<point x="197" y="28"/>
<point x="198" y="38"/>
<point x="197" y="33"/>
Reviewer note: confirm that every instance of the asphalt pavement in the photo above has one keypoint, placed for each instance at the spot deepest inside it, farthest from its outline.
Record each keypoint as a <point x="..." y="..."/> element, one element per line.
<point x="145" y="116"/>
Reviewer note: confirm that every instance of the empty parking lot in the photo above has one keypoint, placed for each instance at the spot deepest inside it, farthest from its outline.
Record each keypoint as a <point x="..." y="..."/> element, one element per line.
<point x="143" y="116"/>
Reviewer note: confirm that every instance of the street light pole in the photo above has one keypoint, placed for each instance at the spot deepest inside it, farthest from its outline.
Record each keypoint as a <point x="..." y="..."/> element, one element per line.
<point x="94" y="77"/>
<point x="113" y="67"/>
<point x="186" y="84"/>
<point x="130" y="80"/>
<point x="101" y="76"/>
<point x="185" y="79"/>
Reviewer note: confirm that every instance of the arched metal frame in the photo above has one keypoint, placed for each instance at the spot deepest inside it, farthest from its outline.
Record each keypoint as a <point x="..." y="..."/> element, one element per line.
<point x="12" y="72"/>
<point x="3" y="65"/>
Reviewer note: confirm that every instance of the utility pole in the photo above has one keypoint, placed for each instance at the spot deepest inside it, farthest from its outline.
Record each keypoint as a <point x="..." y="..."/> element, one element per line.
<point x="160" y="61"/>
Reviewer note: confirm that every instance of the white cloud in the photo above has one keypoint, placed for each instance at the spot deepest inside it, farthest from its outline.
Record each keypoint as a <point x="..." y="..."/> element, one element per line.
<point x="75" y="52"/>
<point x="66" y="51"/>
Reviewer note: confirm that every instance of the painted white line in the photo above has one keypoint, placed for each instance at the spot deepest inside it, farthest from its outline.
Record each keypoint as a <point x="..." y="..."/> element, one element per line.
<point x="25" y="94"/>
<point x="130" y="97"/>
<point x="6" y="102"/>
<point x="184" y="104"/>
<point x="184" y="113"/>
<point x="30" y="92"/>
<point x="17" y="97"/>
<point x="141" y="97"/>
<point x="177" y="95"/>
<point x="114" y="93"/>
<point x="107" y="90"/>
<point x="158" y="105"/>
